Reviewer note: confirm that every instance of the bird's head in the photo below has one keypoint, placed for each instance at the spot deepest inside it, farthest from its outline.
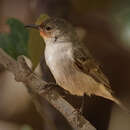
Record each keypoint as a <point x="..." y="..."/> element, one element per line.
<point x="55" y="29"/>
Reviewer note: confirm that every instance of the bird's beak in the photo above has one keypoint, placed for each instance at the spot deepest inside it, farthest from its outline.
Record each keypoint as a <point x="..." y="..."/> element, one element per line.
<point x="38" y="27"/>
<point x="33" y="26"/>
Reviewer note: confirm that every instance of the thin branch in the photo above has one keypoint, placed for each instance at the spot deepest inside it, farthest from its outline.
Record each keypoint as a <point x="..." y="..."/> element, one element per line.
<point x="38" y="88"/>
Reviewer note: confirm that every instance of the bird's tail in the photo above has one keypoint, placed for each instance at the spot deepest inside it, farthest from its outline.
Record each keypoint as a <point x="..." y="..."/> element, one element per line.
<point x="121" y="105"/>
<point x="108" y="94"/>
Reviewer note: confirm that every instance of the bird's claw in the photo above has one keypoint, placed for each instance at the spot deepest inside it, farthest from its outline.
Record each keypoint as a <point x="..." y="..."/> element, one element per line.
<point x="48" y="87"/>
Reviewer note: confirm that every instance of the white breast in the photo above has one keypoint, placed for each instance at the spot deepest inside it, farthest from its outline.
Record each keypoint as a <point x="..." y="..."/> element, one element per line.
<point x="57" y="52"/>
<point x="58" y="57"/>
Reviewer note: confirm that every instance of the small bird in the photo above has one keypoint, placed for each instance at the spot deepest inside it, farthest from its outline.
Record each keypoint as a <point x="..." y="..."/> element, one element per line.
<point x="71" y="64"/>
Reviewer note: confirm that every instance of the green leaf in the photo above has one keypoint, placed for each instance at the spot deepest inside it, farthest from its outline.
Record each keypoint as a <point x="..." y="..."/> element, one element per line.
<point x="15" y="42"/>
<point x="36" y="44"/>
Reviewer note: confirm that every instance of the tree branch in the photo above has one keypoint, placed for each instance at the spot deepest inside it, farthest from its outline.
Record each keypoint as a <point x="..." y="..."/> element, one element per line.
<point x="38" y="89"/>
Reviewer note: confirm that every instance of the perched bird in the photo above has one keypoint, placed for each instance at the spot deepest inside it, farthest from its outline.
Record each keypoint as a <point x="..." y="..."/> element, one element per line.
<point x="72" y="65"/>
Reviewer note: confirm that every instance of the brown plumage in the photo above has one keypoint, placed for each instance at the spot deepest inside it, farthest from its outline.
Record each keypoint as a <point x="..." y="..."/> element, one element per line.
<point x="71" y="64"/>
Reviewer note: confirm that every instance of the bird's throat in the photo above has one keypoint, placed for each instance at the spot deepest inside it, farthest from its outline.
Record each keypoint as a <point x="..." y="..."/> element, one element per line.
<point x="43" y="34"/>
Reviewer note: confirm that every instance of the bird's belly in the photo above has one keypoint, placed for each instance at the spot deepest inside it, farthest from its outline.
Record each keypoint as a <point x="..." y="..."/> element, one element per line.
<point x="66" y="73"/>
<point x="71" y="79"/>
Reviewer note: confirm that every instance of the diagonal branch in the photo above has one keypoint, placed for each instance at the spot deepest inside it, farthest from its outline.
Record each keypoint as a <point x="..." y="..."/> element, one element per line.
<point x="38" y="89"/>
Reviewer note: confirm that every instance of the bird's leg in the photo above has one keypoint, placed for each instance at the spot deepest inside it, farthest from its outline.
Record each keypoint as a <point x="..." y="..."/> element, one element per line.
<point x="83" y="104"/>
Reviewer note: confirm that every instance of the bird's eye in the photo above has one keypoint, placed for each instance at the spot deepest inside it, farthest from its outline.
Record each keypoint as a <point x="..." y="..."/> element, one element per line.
<point x="48" y="28"/>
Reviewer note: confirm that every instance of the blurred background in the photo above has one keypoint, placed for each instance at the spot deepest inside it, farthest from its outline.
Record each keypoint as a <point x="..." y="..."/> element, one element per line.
<point x="104" y="25"/>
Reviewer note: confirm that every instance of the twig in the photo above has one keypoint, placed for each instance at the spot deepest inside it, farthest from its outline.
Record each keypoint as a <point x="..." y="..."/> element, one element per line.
<point x="38" y="88"/>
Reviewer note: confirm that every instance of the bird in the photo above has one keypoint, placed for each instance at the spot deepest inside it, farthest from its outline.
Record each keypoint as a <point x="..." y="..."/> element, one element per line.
<point x="71" y="64"/>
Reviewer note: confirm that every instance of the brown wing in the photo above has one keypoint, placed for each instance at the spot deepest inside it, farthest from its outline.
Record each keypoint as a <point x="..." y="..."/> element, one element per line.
<point x="85" y="62"/>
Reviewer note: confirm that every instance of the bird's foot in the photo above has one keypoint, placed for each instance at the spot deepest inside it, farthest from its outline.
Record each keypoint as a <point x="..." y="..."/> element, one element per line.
<point x="48" y="87"/>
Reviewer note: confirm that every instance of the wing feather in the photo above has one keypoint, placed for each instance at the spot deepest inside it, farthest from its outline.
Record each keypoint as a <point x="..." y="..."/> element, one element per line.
<point x="86" y="63"/>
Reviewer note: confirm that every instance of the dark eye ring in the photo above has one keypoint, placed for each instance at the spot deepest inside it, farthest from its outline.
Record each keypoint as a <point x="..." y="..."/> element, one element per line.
<point x="48" y="28"/>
